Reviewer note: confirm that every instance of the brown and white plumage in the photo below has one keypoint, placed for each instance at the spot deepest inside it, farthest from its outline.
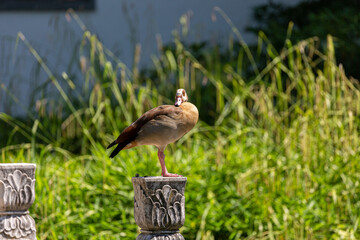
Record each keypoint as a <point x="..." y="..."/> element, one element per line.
<point x="159" y="127"/>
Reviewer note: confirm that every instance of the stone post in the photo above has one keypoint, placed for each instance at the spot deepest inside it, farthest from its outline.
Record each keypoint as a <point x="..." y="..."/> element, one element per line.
<point x="159" y="207"/>
<point x="17" y="194"/>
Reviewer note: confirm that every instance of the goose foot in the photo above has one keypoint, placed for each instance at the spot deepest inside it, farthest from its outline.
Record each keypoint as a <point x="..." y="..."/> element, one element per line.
<point x="170" y="175"/>
<point x="164" y="171"/>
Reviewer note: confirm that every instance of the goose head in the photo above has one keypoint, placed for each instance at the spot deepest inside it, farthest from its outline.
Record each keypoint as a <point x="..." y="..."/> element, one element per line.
<point x="180" y="97"/>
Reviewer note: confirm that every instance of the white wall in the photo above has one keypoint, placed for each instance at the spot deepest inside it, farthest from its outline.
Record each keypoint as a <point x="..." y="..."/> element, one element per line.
<point x="53" y="36"/>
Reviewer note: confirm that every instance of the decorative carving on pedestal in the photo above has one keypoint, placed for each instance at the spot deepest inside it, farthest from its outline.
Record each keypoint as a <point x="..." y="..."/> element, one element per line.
<point x="159" y="207"/>
<point x="17" y="194"/>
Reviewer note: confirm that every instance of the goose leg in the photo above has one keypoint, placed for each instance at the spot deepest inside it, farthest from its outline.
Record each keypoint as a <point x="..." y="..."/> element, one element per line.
<point x="164" y="171"/>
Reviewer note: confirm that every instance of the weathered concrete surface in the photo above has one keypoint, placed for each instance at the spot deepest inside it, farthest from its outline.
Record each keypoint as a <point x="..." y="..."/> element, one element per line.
<point x="17" y="194"/>
<point x="159" y="207"/>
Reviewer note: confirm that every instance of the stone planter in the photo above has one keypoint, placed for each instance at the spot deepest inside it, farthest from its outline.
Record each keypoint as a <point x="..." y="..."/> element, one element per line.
<point x="159" y="207"/>
<point x="17" y="194"/>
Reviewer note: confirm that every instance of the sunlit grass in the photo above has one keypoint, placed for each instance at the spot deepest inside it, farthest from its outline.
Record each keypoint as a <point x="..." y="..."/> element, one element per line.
<point x="274" y="156"/>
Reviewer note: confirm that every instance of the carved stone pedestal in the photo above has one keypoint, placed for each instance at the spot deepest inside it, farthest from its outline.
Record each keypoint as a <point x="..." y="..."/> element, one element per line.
<point x="17" y="194"/>
<point x="159" y="207"/>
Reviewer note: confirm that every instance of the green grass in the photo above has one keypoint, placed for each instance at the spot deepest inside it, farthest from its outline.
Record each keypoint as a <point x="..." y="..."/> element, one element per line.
<point x="274" y="156"/>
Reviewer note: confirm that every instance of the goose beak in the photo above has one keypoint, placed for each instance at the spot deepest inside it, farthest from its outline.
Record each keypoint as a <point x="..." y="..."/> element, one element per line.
<point x="178" y="101"/>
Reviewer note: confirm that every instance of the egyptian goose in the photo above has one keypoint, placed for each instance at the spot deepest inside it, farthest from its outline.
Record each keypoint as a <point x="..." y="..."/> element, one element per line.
<point x="159" y="127"/>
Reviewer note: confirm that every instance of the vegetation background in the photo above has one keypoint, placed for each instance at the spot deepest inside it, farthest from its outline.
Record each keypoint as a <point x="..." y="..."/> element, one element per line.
<point x="274" y="156"/>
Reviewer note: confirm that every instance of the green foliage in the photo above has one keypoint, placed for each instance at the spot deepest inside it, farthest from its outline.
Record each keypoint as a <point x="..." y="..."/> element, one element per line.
<point x="274" y="156"/>
<point x="340" y="18"/>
